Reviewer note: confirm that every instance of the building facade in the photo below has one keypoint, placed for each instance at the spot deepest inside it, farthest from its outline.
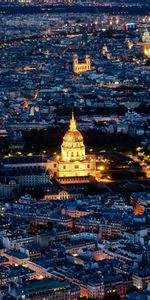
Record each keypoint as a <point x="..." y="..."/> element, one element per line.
<point x="73" y="161"/>
<point x="145" y="43"/>
<point x="79" y="68"/>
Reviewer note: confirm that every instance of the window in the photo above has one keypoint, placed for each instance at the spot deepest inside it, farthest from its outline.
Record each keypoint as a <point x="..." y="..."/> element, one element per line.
<point x="76" y="167"/>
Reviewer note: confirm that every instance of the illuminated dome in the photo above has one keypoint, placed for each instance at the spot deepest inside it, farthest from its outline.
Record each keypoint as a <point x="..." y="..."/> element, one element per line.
<point x="146" y="36"/>
<point x="146" y="33"/>
<point x="73" y="136"/>
<point x="72" y="148"/>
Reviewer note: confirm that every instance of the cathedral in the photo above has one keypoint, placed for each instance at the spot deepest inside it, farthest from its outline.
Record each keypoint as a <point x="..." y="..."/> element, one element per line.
<point x="80" y="68"/>
<point x="73" y="161"/>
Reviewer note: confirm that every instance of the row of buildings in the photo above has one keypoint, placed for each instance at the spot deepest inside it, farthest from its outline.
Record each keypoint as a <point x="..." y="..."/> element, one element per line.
<point x="76" y="248"/>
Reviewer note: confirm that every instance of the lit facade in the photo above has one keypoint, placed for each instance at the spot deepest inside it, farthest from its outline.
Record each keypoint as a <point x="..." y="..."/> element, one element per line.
<point x="79" y="68"/>
<point x="73" y="161"/>
<point x="130" y="44"/>
<point x="104" y="50"/>
<point x="146" y="43"/>
<point x="147" y="49"/>
<point x="146" y="37"/>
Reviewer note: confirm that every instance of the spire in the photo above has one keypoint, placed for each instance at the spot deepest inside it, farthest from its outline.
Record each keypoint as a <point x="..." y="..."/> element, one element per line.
<point x="72" y="114"/>
<point x="73" y="123"/>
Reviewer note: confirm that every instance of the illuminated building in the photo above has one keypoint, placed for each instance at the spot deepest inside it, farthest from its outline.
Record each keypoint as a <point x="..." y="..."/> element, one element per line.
<point x="29" y="68"/>
<point x="25" y="2"/>
<point x="25" y="104"/>
<point x="73" y="162"/>
<point x="147" y="49"/>
<point x="139" y="209"/>
<point x="130" y="26"/>
<point x="108" y="56"/>
<point x="45" y="288"/>
<point x="79" y="68"/>
<point x="130" y="44"/>
<point x="104" y="50"/>
<point x="141" y="278"/>
<point x="145" y="43"/>
<point x="146" y="37"/>
<point x="3" y="132"/>
<point x="113" y="21"/>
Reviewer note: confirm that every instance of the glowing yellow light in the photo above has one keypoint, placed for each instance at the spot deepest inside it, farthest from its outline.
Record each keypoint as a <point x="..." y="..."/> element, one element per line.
<point x="139" y="148"/>
<point x="19" y="153"/>
<point x="29" y="154"/>
<point x="101" y="168"/>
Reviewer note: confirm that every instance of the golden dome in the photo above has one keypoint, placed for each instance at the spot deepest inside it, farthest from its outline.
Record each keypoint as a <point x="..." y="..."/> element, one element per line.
<point x="72" y="146"/>
<point x="73" y="136"/>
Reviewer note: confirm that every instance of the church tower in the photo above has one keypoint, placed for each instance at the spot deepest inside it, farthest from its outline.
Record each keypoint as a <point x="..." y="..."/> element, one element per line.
<point x="75" y="63"/>
<point x="88" y="62"/>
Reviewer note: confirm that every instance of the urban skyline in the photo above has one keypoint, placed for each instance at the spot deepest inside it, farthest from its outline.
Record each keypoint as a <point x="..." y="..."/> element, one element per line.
<point x="74" y="150"/>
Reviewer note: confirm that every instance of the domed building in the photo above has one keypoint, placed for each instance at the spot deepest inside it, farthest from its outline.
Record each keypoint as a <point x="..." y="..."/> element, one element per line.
<point x="145" y="43"/>
<point x="72" y="148"/>
<point x="73" y="162"/>
<point x="146" y="36"/>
